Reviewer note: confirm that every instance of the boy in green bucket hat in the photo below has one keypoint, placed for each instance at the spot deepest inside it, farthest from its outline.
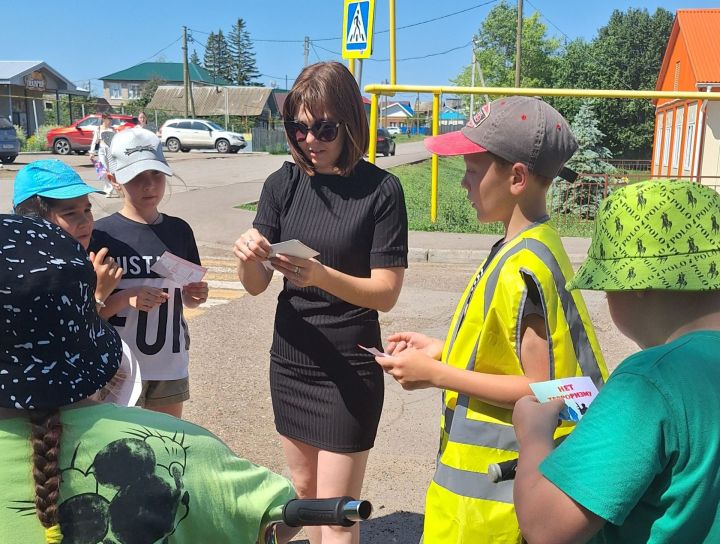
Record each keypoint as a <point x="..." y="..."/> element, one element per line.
<point x="643" y="465"/>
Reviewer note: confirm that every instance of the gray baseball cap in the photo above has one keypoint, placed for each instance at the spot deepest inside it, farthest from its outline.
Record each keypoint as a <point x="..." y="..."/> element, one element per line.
<point x="134" y="151"/>
<point x="518" y="129"/>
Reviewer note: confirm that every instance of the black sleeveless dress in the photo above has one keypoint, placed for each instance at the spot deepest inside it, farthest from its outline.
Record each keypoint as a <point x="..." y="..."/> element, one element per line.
<point x="325" y="390"/>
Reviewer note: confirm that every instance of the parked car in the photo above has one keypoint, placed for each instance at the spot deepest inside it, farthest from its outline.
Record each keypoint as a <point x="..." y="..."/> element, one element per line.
<point x="9" y="143"/>
<point x="385" y="142"/>
<point x="394" y="131"/>
<point x="186" y="134"/>
<point x="78" y="136"/>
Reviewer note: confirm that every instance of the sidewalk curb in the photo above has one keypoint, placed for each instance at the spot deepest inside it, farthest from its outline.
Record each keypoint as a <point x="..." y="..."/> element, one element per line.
<point x="415" y="255"/>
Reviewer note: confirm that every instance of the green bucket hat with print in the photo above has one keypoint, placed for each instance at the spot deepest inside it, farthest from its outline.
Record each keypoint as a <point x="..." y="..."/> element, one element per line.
<point x="661" y="235"/>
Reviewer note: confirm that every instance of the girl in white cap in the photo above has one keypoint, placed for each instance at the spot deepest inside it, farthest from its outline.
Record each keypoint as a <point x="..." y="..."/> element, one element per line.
<point x="147" y="310"/>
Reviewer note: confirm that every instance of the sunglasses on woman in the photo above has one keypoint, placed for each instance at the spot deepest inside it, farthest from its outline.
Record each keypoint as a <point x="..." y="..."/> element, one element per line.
<point x="325" y="131"/>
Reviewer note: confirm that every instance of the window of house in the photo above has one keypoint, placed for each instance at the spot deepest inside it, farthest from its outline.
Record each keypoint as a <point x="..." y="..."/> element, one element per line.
<point x="689" y="137"/>
<point x="666" y="142"/>
<point x="134" y="90"/>
<point x="679" y="118"/>
<point x="115" y="91"/>
<point x="658" y="140"/>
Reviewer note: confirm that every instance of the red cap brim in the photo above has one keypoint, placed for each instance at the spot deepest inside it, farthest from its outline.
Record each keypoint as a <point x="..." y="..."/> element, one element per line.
<point x="452" y="143"/>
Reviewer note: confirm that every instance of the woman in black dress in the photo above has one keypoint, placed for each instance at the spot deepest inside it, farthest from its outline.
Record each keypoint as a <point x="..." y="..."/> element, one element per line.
<point x="327" y="393"/>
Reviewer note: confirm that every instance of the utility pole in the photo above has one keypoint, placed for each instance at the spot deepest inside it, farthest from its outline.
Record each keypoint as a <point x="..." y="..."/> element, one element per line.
<point x="307" y="49"/>
<point x="472" y="80"/>
<point x="185" y="72"/>
<point x="518" y="43"/>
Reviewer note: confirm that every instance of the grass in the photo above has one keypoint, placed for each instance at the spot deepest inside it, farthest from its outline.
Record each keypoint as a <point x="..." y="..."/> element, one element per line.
<point x="455" y="214"/>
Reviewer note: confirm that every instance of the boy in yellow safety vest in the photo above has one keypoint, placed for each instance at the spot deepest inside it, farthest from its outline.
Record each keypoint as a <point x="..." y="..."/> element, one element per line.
<point x="644" y="462"/>
<point x="515" y="324"/>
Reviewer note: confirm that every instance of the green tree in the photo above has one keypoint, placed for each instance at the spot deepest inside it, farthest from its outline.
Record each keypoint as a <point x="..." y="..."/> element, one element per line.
<point x="583" y="197"/>
<point x="224" y="58"/>
<point x="210" y="58"/>
<point x="194" y="59"/>
<point x="244" y="68"/>
<point x="495" y="50"/>
<point x="625" y="54"/>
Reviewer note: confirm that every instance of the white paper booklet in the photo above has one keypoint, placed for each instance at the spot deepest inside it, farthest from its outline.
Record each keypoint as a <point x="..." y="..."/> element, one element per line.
<point x="178" y="270"/>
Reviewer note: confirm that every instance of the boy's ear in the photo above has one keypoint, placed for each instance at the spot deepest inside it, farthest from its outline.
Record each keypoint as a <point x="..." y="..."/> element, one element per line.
<point x="519" y="178"/>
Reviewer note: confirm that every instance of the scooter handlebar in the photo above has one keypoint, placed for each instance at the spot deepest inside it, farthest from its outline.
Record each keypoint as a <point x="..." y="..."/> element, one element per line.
<point x="343" y="511"/>
<point x="500" y="472"/>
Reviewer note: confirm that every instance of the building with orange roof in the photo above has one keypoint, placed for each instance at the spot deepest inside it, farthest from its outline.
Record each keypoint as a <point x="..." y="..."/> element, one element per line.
<point x="687" y="132"/>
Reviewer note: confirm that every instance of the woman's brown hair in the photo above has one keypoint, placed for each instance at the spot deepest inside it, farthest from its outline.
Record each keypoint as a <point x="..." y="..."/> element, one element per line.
<point x="46" y="431"/>
<point x="329" y="89"/>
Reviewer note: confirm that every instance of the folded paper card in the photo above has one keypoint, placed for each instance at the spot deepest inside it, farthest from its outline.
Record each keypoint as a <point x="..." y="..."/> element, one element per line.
<point x="178" y="270"/>
<point x="292" y="248"/>
<point x="577" y="393"/>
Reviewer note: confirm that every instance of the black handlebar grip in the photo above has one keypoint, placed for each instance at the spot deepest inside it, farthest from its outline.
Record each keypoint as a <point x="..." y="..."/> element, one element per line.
<point x="500" y="472"/>
<point x="343" y="511"/>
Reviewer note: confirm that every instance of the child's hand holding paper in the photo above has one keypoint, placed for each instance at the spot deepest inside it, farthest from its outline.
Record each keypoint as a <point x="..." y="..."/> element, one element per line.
<point x="577" y="393"/>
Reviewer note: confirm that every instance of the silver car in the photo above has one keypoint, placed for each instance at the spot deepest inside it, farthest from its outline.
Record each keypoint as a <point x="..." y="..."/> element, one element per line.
<point x="186" y="134"/>
<point x="9" y="143"/>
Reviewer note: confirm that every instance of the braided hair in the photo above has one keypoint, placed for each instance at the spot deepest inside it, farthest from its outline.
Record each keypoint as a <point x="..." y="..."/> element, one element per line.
<point x="46" y="431"/>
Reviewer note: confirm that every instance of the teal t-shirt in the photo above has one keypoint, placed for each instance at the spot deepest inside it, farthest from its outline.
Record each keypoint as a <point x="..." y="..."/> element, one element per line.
<point x="131" y="475"/>
<point x="646" y="455"/>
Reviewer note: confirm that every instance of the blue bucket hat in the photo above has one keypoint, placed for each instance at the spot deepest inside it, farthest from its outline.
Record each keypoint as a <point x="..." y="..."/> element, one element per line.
<point x="51" y="179"/>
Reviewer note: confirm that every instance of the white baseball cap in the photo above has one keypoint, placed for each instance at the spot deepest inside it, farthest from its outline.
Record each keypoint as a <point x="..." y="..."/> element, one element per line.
<point x="134" y="151"/>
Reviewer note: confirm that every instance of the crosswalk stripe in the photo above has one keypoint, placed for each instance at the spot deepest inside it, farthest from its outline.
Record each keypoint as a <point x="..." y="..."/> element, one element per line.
<point x="223" y="283"/>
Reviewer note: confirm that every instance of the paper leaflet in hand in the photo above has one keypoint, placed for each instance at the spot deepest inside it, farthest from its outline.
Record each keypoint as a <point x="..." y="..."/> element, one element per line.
<point x="376" y="352"/>
<point x="290" y="248"/>
<point x="178" y="270"/>
<point x="577" y="393"/>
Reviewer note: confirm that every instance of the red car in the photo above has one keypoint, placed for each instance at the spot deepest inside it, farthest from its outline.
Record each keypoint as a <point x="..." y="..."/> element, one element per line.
<point x="78" y="136"/>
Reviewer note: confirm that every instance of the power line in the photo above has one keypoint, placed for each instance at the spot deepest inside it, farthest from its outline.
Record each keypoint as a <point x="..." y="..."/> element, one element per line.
<point x="549" y="21"/>
<point x="163" y="49"/>
<point x="412" y="25"/>
<point x="440" y="17"/>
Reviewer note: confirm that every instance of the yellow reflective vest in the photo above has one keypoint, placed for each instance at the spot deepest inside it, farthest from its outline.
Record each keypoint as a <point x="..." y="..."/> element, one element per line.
<point x="463" y="505"/>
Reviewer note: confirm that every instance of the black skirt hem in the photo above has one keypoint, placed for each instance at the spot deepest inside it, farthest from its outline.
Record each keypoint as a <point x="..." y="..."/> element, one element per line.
<point x="325" y="447"/>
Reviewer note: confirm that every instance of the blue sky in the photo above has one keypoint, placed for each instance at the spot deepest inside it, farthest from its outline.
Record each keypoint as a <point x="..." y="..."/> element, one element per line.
<point x="86" y="40"/>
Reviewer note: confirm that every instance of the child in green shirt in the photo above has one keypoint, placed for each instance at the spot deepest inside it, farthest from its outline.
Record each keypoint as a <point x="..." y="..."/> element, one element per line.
<point x="643" y="465"/>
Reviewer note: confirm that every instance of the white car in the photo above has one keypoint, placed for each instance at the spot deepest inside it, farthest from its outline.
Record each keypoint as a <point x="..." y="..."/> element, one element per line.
<point x="186" y="134"/>
<point x="394" y="131"/>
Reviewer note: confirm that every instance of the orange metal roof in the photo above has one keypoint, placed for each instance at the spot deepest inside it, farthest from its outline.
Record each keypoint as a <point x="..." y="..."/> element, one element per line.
<point x="700" y="30"/>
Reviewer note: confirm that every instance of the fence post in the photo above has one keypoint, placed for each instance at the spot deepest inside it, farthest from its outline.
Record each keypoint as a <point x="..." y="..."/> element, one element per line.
<point x="605" y="190"/>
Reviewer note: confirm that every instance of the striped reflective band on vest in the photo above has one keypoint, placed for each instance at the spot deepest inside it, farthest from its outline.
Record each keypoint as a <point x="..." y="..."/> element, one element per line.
<point x="494" y="435"/>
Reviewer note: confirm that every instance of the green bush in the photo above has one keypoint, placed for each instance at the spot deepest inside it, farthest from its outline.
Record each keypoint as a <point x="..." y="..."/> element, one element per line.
<point x="38" y="141"/>
<point x="20" y="131"/>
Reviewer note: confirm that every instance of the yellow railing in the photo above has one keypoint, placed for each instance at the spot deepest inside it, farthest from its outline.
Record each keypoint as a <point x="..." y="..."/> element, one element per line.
<point x="378" y="89"/>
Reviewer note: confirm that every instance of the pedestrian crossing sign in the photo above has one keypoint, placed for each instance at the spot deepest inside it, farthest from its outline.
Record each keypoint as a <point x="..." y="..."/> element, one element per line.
<point x="357" y="29"/>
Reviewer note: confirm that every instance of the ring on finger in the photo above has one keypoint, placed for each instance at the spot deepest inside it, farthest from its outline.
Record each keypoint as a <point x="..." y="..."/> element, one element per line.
<point x="297" y="270"/>
<point x="247" y="243"/>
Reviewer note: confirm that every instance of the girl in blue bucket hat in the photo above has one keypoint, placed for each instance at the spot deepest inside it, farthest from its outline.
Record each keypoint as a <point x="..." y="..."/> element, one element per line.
<point x="643" y="465"/>
<point x="50" y="189"/>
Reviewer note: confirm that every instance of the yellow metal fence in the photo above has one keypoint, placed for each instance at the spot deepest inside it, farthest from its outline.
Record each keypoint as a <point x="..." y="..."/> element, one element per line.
<point x="375" y="90"/>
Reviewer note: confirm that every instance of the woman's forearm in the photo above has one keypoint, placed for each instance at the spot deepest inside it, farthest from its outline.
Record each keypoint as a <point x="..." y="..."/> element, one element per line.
<point x="254" y="276"/>
<point x="378" y="292"/>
